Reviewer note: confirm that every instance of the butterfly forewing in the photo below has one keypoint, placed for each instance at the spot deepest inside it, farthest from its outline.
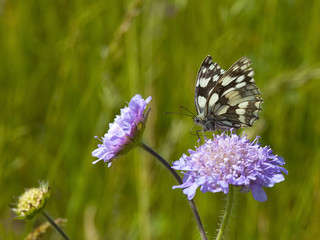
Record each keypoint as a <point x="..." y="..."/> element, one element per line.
<point x="208" y="76"/>
<point x="231" y="101"/>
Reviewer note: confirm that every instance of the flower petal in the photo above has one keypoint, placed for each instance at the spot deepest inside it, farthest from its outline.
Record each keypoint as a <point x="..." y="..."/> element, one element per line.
<point x="258" y="193"/>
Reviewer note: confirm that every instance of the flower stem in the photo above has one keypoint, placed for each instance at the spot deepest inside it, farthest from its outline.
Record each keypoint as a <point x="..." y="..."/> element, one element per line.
<point x="54" y="225"/>
<point x="227" y="213"/>
<point x="177" y="177"/>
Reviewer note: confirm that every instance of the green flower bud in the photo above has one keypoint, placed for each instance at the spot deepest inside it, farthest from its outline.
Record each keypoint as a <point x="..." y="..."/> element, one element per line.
<point x="32" y="201"/>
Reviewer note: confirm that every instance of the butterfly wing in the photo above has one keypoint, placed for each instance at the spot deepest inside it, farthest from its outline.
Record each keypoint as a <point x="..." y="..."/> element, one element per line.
<point x="207" y="78"/>
<point x="233" y="102"/>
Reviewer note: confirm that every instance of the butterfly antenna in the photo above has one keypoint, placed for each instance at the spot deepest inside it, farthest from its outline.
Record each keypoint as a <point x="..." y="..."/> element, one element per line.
<point x="193" y="115"/>
<point x="183" y="114"/>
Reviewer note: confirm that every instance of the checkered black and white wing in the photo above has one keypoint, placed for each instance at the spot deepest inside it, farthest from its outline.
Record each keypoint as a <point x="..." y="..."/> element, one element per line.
<point x="226" y="100"/>
<point x="207" y="78"/>
<point x="234" y="101"/>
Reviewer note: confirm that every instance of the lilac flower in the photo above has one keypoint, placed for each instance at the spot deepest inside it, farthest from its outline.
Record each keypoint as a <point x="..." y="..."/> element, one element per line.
<point x="124" y="132"/>
<point x="233" y="160"/>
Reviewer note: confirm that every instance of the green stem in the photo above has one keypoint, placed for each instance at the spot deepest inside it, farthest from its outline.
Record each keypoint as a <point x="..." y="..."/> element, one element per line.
<point x="227" y="213"/>
<point x="54" y="225"/>
<point x="177" y="177"/>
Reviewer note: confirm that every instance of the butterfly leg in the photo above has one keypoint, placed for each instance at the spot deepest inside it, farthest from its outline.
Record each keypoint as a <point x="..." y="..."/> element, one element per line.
<point x="204" y="136"/>
<point x="199" y="139"/>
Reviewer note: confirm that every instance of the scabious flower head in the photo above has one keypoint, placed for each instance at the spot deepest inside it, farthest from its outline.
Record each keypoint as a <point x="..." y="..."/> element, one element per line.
<point x="125" y="132"/>
<point x="233" y="160"/>
<point x="32" y="201"/>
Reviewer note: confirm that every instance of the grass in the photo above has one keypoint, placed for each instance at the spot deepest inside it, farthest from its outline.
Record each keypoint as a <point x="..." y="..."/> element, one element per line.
<point x="66" y="68"/>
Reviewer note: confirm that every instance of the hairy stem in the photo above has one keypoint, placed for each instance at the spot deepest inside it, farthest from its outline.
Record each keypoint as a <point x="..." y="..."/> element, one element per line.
<point x="227" y="213"/>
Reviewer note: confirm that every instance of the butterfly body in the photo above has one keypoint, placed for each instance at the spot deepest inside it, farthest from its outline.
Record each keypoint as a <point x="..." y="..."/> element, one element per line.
<point x="207" y="124"/>
<point x="226" y="99"/>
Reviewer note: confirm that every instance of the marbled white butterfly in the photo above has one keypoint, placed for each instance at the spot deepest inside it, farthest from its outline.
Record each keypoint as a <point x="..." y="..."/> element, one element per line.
<point x="226" y="99"/>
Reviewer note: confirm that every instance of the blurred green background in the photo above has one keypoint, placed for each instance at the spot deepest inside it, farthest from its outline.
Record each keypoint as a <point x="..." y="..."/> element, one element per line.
<point x="66" y="69"/>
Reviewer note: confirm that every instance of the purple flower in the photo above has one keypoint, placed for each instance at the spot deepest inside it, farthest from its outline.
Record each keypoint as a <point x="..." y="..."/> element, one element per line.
<point x="233" y="160"/>
<point x="124" y="132"/>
